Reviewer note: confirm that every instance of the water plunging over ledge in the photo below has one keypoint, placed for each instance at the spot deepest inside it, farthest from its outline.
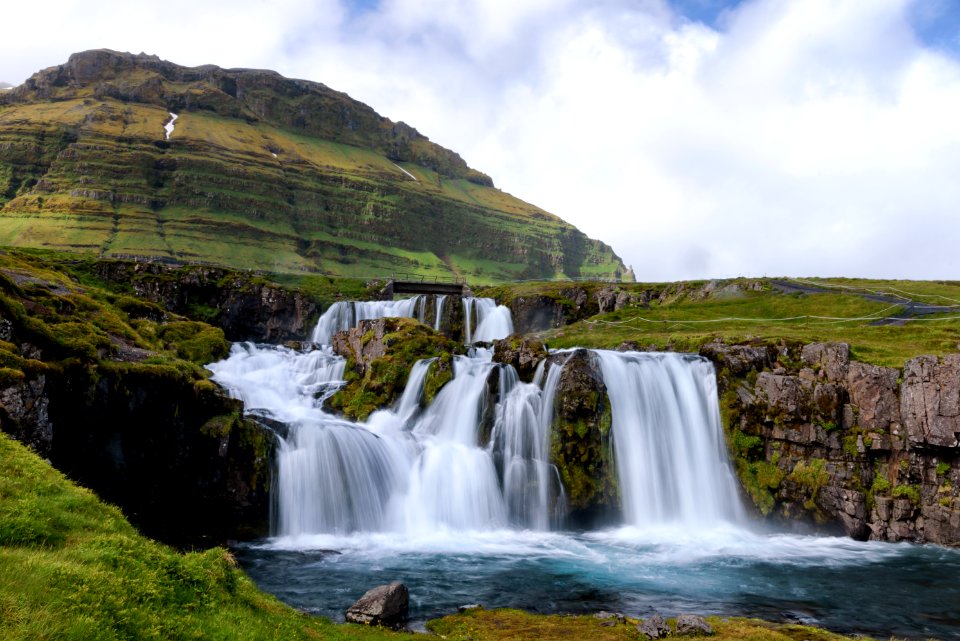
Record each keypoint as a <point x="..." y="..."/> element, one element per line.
<point x="466" y="512"/>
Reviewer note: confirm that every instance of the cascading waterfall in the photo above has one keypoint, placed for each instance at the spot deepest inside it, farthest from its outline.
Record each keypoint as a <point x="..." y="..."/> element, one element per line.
<point x="441" y="299"/>
<point x="344" y="315"/>
<point x="521" y="441"/>
<point x="668" y="443"/>
<point x="493" y="321"/>
<point x="472" y="459"/>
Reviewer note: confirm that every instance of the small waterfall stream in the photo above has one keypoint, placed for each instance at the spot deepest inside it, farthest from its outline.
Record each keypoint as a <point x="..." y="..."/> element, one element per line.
<point x="671" y="458"/>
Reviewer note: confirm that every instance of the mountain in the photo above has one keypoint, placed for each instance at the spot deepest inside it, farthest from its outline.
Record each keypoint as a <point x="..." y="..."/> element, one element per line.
<point x="5" y="85"/>
<point x="257" y="171"/>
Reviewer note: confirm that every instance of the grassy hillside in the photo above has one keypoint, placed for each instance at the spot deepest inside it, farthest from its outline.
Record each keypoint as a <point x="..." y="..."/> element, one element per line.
<point x="683" y="316"/>
<point x="73" y="568"/>
<point x="260" y="172"/>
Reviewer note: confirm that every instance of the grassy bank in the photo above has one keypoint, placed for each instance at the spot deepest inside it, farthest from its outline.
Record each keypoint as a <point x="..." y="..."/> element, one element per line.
<point x="72" y="567"/>
<point x="500" y="625"/>
<point x="686" y="319"/>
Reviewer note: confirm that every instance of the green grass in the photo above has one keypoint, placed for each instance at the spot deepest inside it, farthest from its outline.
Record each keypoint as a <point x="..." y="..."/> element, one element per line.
<point x="514" y="625"/>
<point x="682" y="322"/>
<point x="930" y="292"/>
<point x="72" y="567"/>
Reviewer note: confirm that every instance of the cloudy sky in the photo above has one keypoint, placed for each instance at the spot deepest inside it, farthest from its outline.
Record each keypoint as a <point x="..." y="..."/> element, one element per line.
<point x="700" y="138"/>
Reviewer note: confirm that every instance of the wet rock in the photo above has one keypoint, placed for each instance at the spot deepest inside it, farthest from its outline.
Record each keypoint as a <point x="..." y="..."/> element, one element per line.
<point x="364" y="344"/>
<point x="690" y="624"/>
<point x="524" y="354"/>
<point x="610" y="618"/>
<point x="653" y="627"/>
<point x="383" y="605"/>
<point x="580" y="443"/>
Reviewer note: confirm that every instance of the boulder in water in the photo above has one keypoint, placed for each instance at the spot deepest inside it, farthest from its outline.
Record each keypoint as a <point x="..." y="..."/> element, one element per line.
<point x="692" y="624"/>
<point x="653" y="627"/>
<point x="383" y="605"/>
<point x="580" y="439"/>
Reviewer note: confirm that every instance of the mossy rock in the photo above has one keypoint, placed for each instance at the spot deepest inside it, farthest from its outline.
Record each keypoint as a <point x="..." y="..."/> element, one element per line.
<point x="523" y="353"/>
<point x="439" y="374"/>
<point x="580" y="440"/>
<point x="380" y="354"/>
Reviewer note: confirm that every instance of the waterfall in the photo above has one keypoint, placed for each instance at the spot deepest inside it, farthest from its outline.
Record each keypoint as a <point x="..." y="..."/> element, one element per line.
<point x="278" y="381"/>
<point x="492" y="321"/>
<point x="334" y="477"/>
<point x="668" y="443"/>
<point x="438" y="319"/>
<point x="345" y="315"/>
<point x="521" y="439"/>
<point x="478" y="457"/>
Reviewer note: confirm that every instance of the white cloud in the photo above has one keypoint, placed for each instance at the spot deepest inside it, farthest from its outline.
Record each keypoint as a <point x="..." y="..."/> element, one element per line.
<point x="803" y="138"/>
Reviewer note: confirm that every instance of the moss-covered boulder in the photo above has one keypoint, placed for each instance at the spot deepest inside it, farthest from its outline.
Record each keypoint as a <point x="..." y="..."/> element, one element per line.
<point x="524" y="354"/>
<point x="581" y="440"/>
<point x="380" y="354"/>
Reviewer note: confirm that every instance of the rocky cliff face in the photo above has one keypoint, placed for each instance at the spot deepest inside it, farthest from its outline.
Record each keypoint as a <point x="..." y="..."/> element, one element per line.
<point x="821" y="438"/>
<point x="245" y="307"/>
<point x="176" y="455"/>
<point x="108" y="388"/>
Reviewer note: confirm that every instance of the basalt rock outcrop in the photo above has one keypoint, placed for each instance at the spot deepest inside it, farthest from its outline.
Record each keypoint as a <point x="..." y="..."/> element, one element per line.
<point x="580" y="441"/>
<point x="175" y="454"/>
<point x="246" y="307"/>
<point x="108" y="389"/>
<point x="385" y="605"/>
<point x="380" y="354"/>
<point x="817" y="437"/>
<point x="523" y="354"/>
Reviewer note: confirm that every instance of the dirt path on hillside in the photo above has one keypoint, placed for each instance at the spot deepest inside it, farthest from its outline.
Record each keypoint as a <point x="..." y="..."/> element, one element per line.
<point x="911" y="308"/>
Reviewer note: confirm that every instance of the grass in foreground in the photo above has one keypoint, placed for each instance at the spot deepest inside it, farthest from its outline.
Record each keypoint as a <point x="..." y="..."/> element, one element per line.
<point x="72" y="567"/>
<point x="514" y="625"/>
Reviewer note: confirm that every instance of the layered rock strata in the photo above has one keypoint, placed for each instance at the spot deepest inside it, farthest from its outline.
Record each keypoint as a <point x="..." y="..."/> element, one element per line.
<point x="821" y="438"/>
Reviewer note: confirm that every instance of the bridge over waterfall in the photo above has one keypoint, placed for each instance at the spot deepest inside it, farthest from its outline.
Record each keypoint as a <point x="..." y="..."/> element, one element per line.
<point x="414" y="284"/>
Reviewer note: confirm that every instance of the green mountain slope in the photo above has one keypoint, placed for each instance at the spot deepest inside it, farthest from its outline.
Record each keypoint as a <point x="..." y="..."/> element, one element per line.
<point x="259" y="172"/>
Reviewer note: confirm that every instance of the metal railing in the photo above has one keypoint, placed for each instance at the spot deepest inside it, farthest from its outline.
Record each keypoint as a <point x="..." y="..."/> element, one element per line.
<point x="420" y="278"/>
